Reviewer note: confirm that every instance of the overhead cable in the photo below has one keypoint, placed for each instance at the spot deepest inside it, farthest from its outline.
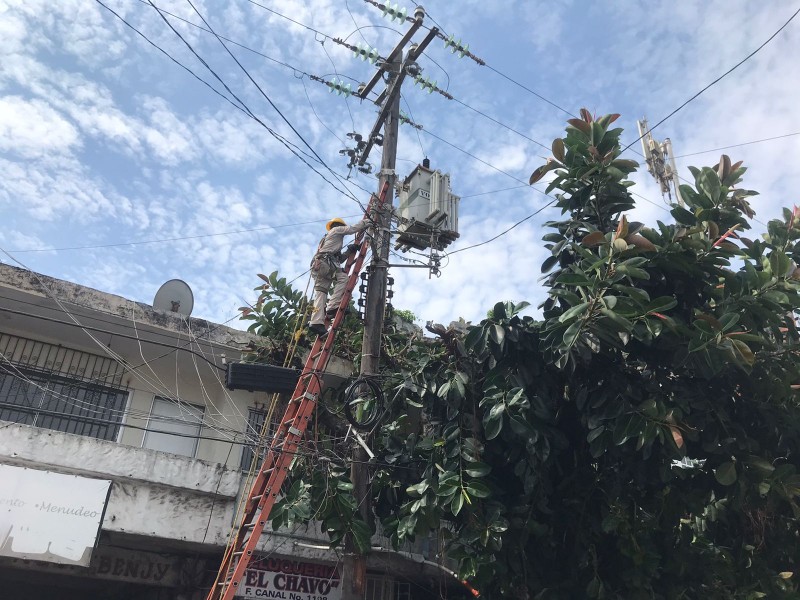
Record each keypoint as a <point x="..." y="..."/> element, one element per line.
<point x="769" y="139"/>
<point x="720" y="78"/>
<point x="276" y="135"/>
<point x="176" y="239"/>
<point x="260" y="89"/>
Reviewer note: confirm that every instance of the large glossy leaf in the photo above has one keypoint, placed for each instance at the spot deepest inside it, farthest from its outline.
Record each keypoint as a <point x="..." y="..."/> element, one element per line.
<point x="558" y="149"/>
<point x="662" y="304"/>
<point x="683" y="216"/>
<point x="709" y="183"/>
<point x="493" y="421"/>
<point x="477" y="469"/>
<point x="477" y="489"/>
<point x="725" y="474"/>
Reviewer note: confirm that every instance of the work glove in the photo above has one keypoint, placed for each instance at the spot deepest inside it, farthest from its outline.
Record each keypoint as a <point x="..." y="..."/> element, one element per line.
<point x="353" y="248"/>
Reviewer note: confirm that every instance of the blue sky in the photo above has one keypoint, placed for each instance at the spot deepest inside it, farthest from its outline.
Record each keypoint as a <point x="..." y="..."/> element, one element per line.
<point x="104" y="140"/>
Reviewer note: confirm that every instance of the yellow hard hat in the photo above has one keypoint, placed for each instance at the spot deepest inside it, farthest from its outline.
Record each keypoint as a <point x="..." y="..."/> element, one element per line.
<point x="335" y="221"/>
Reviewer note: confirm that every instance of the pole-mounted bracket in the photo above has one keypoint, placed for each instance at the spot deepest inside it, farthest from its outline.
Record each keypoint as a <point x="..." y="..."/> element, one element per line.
<point x="388" y="95"/>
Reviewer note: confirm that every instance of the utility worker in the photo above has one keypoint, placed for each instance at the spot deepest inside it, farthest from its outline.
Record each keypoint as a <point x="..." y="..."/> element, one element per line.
<point x="326" y="270"/>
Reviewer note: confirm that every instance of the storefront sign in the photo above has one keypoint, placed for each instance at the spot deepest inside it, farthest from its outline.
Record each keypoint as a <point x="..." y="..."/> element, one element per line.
<point x="48" y="516"/>
<point x="136" y="567"/>
<point x="116" y="564"/>
<point x="291" y="579"/>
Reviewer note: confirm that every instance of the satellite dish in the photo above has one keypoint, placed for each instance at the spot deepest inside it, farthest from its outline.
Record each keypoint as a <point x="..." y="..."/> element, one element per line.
<point x="174" y="296"/>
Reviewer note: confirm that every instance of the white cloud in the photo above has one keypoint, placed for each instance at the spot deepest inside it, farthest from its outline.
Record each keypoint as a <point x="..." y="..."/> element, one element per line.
<point x="33" y="128"/>
<point x="16" y="241"/>
<point x="104" y="140"/>
<point x="52" y="190"/>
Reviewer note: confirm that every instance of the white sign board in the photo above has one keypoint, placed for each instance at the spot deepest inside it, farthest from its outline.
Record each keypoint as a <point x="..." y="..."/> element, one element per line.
<point x="291" y="579"/>
<point x="49" y="516"/>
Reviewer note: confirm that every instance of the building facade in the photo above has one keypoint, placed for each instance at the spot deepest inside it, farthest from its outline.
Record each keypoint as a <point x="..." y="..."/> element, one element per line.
<point x="123" y="457"/>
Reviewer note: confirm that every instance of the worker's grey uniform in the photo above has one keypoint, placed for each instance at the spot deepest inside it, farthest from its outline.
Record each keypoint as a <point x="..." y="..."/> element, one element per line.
<point x="326" y="269"/>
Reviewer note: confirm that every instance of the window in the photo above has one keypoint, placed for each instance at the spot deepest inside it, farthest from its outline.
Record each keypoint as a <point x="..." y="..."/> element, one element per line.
<point x="62" y="389"/>
<point x="255" y="422"/>
<point x="380" y="588"/>
<point x="173" y="427"/>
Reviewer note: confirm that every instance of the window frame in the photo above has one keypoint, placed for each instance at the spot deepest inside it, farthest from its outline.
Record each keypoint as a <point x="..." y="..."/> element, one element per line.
<point x="155" y="431"/>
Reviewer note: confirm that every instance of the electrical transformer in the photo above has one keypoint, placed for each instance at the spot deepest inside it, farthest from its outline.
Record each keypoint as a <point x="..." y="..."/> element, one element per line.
<point x="428" y="210"/>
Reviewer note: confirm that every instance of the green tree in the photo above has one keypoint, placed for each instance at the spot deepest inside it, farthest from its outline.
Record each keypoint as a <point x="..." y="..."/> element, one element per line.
<point x="640" y="440"/>
<point x="277" y="317"/>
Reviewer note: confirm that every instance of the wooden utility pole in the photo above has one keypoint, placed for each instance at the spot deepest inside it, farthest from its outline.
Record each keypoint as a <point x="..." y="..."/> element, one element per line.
<point x="396" y="69"/>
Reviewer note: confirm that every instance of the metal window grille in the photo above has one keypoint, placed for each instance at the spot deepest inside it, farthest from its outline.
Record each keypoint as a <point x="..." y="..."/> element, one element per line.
<point x="402" y="590"/>
<point x="58" y="388"/>
<point x="255" y="422"/>
<point x="381" y="588"/>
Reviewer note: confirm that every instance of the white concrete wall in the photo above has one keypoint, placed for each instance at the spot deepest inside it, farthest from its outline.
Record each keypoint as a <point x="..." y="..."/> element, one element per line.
<point x="156" y="495"/>
<point x="153" y="494"/>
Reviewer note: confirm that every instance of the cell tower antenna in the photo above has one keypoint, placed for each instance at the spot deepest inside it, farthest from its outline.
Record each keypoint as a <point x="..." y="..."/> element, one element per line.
<point x="660" y="161"/>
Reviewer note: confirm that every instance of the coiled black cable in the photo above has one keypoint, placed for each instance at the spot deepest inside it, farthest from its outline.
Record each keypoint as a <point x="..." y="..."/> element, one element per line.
<point x="354" y="402"/>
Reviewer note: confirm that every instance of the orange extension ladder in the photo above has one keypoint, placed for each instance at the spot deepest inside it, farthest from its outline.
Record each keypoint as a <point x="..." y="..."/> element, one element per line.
<point x="273" y="471"/>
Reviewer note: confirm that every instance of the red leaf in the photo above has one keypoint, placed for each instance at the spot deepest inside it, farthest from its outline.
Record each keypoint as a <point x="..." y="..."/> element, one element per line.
<point x="580" y="125"/>
<point x="593" y="239"/>
<point x="677" y="436"/>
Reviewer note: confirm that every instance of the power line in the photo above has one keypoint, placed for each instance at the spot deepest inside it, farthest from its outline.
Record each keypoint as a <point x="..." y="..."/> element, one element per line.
<point x="229" y="40"/>
<point x="170" y="334"/>
<point x="16" y="370"/>
<point x="502" y="233"/>
<point x="113" y="333"/>
<point x="515" y="187"/>
<point x="303" y="25"/>
<point x="720" y="78"/>
<point x="326" y="36"/>
<point x="336" y="72"/>
<point x="176" y="239"/>
<point x="317" y="32"/>
<point x="258" y="87"/>
<point x="116" y="356"/>
<point x="276" y="135"/>
<point x="480" y="160"/>
<point x="507" y="174"/>
<point x="503" y="75"/>
<point x="483" y="114"/>
<point x="168" y="55"/>
<point x="527" y="89"/>
<point x="769" y="139"/>
<point x="443" y="36"/>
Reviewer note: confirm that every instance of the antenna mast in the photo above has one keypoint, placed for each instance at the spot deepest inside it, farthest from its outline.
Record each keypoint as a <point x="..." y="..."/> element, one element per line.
<point x="660" y="162"/>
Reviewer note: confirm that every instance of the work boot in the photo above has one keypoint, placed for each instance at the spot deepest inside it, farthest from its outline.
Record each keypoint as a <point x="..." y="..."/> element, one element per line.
<point x="318" y="329"/>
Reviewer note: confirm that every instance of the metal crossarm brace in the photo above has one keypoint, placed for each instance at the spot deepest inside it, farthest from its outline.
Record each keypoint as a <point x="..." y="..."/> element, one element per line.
<point x="364" y="91"/>
<point x="387" y="96"/>
<point x="284" y="445"/>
